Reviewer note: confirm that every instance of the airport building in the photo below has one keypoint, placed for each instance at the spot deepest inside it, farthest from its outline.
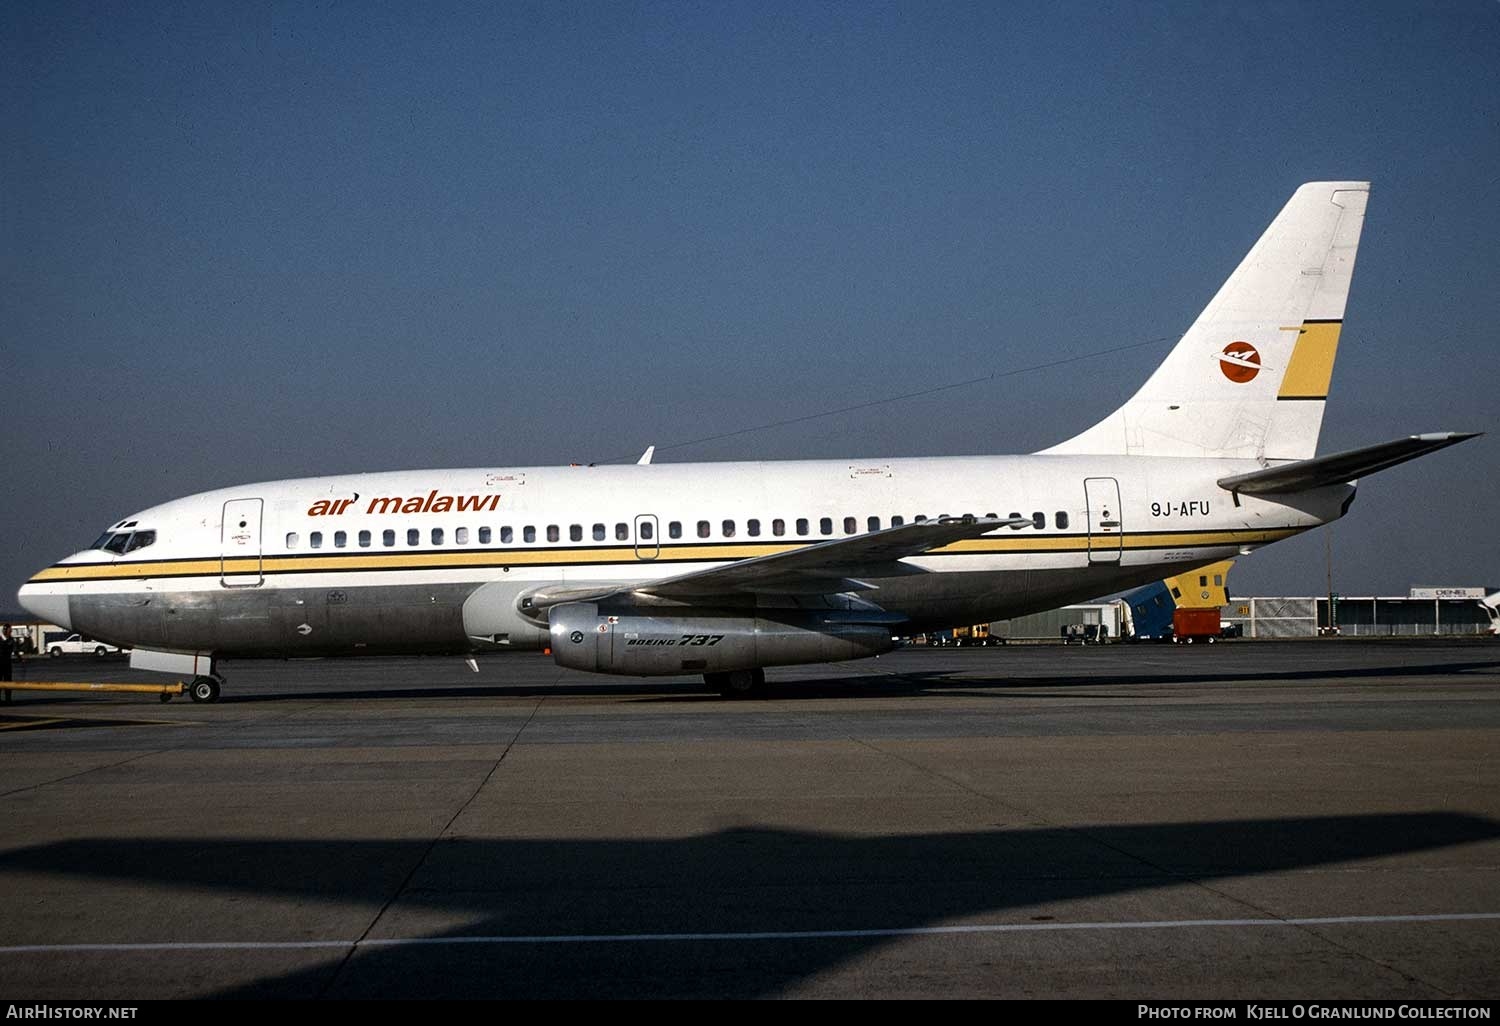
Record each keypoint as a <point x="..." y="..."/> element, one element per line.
<point x="1423" y="611"/>
<point x="1148" y="614"/>
<point x="1059" y="624"/>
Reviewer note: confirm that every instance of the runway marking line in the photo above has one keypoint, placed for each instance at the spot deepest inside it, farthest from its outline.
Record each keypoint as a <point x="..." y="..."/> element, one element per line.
<point x="650" y="938"/>
<point x="76" y="723"/>
<point x="14" y="724"/>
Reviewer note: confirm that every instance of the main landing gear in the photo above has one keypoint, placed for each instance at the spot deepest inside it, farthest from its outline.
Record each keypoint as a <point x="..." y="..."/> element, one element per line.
<point x="205" y="689"/>
<point x="738" y="683"/>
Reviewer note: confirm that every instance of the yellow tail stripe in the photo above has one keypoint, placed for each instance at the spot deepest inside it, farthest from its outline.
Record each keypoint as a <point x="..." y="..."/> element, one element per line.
<point x="1311" y="368"/>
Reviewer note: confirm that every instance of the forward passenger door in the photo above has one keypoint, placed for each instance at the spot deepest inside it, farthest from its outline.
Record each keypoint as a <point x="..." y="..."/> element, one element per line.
<point x="240" y="549"/>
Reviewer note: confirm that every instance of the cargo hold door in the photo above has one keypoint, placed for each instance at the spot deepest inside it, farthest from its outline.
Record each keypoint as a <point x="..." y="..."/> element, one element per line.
<point x="1106" y="533"/>
<point x="240" y="562"/>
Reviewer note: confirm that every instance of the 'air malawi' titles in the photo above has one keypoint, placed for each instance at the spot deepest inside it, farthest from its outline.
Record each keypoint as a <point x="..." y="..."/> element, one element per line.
<point x="432" y="502"/>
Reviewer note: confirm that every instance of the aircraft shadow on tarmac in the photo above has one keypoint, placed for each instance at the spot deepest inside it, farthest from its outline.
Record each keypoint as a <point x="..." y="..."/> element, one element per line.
<point x="734" y="881"/>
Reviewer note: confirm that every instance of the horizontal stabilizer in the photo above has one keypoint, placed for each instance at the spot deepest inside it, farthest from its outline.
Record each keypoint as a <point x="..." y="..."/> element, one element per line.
<point x="1341" y="467"/>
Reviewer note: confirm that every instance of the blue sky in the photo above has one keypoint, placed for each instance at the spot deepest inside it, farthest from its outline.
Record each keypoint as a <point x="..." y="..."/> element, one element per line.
<point x="241" y="242"/>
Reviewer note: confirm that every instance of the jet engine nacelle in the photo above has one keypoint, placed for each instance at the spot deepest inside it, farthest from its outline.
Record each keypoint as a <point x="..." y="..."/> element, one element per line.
<point x="644" y="645"/>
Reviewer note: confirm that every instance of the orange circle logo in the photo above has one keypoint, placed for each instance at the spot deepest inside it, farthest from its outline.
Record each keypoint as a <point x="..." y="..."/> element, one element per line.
<point x="1240" y="362"/>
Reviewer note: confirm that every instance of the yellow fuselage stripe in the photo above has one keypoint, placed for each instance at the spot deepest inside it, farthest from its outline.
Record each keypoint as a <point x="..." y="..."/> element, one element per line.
<point x="212" y="566"/>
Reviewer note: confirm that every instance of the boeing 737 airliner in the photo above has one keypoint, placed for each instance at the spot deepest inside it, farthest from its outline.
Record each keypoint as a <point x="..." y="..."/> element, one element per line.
<point x="723" y="569"/>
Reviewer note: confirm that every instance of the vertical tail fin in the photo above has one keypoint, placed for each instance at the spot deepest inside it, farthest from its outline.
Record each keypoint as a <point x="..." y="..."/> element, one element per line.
<point x="1250" y="377"/>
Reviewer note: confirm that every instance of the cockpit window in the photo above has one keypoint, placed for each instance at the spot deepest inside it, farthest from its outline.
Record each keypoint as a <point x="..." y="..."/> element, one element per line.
<point x="140" y="540"/>
<point x="121" y="542"/>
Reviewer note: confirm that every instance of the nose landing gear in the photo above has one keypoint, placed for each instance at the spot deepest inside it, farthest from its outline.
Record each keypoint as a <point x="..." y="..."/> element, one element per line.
<point x="205" y="689"/>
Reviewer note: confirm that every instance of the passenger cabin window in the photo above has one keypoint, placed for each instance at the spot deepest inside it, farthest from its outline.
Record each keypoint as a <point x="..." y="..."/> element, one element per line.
<point x="920" y="518"/>
<point x="506" y="535"/>
<point x="315" y="540"/>
<point x="752" y="528"/>
<point x="460" y="536"/>
<point x="647" y="531"/>
<point x="413" y="537"/>
<point x="778" y="527"/>
<point x="1061" y="520"/>
<point x="388" y="538"/>
<point x="553" y="534"/>
<point x="437" y="536"/>
<point x="703" y="529"/>
<point x="674" y="529"/>
<point x="873" y="524"/>
<point x="622" y="532"/>
<point x="1039" y="521"/>
<point x="599" y="534"/>
<point x="340" y="539"/>
<point x="825" y="525"/>
<point x="897" y="520"/>
<point x="850" y="525"/>
<point x="1015" y="516"/>
<point x="528" y="533"/>
<point x="729" y="528"/>
<point x="484" y="536"/>
<point x="364" y="539"/>
<point x="291" y="539"/>
<point x="575" y="532"/>
<point x="802" y="525"/>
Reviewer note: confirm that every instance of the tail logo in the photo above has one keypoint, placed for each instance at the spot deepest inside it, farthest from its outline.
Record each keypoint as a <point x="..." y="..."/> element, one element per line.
<point x="1240" y="362"/>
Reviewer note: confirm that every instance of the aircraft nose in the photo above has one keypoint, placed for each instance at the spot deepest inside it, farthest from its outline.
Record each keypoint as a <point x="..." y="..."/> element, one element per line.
<point x="46" y="602"/>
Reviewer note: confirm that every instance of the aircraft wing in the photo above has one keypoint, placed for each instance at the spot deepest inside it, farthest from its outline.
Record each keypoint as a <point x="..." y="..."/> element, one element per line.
<point x="1340" y="467"/>
<point x="830" y="566"/>
<point x="821" y="568"/>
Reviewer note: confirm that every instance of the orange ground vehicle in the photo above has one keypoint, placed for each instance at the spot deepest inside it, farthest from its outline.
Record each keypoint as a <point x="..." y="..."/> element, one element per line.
<point x="1189" y="625"/>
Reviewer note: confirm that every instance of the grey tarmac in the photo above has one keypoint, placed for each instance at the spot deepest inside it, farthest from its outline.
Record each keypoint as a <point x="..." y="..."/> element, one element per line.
<point x="1251" y="820"/>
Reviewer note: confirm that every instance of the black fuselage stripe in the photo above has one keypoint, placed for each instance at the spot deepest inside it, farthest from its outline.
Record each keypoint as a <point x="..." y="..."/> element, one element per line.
<point x="707" y="547"/>
<point x="212" y="567"/>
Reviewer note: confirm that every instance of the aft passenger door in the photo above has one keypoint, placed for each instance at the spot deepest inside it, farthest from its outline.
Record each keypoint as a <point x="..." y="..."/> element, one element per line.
<point x="240" y="560"/>
<point x="1106" y="533"/>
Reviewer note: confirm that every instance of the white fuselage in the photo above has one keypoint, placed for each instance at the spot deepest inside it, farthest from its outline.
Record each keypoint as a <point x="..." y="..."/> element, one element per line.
<point x="441" y="560"/>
